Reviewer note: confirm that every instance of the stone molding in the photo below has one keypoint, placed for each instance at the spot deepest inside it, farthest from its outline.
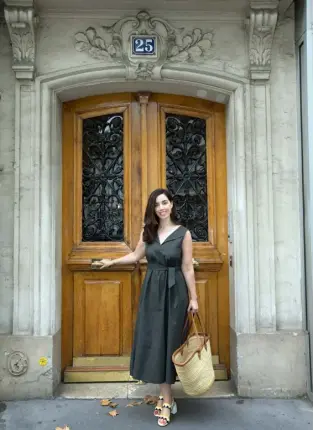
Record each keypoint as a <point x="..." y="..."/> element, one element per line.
<point x="261" y="27"/>
<point x="21" y="22"/>
<point x="112" y="44"/>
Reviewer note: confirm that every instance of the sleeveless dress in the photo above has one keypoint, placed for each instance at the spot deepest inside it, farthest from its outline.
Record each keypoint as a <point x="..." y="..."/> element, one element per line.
<point x="162" y="312"/>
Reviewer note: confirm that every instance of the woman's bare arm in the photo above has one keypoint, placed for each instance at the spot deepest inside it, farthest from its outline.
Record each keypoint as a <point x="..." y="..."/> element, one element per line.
<point x="188" y="271"/>
<point x="131" y="258"/>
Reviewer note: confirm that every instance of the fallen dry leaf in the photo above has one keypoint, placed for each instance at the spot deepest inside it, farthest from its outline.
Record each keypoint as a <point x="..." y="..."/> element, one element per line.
<point x="151" y="400"/>
<point x="134" y="403"/>
<point x="63" y="428"/>
<point x="105" y="402"/>
<point x="113" y="413"/>
<point x="113" y="405"/>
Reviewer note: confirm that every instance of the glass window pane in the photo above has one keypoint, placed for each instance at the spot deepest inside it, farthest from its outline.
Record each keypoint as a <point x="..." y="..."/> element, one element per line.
<point x="103" y="185"/>
<point x="186" y="171"/>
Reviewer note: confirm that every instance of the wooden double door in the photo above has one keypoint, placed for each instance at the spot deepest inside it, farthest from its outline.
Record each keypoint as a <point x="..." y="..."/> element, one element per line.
<point x="117" y="149"/>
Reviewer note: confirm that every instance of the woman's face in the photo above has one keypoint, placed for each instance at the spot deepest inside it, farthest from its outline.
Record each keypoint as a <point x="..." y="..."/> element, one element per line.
<point x="163" y="207"/>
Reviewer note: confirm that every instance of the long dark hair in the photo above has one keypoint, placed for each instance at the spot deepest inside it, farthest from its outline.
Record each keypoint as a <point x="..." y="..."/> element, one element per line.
<point x="151" y="220"/>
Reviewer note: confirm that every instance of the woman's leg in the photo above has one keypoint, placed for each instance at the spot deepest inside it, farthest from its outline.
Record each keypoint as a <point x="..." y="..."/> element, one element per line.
<point x="166" y="392"/>
<point x="159" y="405"/>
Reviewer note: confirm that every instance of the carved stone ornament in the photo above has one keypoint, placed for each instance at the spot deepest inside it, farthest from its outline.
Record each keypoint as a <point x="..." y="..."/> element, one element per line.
<point x="173" y="44"/>
<point x="21" y="22"/>
<point x="17" y="363"/>
<point x="262" y="24"/>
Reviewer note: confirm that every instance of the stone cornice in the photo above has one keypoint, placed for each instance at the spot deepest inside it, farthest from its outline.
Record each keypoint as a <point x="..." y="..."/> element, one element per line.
<point x="262" y="25"/>
<point x="21" y="22"/>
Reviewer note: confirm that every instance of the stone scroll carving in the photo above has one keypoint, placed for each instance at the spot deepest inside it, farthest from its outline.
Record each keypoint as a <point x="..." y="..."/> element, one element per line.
<point x="21" y="22"/>
<point x="174" y="44"/>
<point x="262" y="24"/>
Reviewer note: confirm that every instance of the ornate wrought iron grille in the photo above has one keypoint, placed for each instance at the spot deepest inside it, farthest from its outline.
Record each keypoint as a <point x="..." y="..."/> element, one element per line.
<point x="103" y="187"/>
<point x="186" y="171"/>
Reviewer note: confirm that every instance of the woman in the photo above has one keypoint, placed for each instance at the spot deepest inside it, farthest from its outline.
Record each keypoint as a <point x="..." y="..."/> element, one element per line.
<point x="164" y="299"/>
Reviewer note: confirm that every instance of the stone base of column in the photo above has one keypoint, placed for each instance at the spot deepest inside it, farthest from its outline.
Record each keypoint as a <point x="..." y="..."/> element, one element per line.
<point x="30" y="366"/>
<point x="270" y="365"/>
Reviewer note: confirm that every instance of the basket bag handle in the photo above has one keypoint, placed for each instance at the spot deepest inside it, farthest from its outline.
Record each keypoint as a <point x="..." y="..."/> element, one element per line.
<point x="190" y="321"/>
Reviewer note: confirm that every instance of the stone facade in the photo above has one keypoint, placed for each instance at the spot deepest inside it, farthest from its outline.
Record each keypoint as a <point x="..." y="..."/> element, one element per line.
<point x="304" y="45"/>
<point x="246" y="61"/>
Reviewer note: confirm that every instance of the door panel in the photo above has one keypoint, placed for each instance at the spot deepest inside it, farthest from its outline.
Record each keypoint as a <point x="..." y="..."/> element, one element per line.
<point x="189" y="135"/>
<point x="102" y="170"/>
<point x="100" y="167"/>
<point x="102" y="314"/>
<point x="116" y="150"/>
<point x="207" y="293"/>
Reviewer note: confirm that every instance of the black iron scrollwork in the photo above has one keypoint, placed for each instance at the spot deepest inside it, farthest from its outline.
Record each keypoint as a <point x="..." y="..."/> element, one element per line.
<point x="186" y="171"/>
<point x="103" y="184"/>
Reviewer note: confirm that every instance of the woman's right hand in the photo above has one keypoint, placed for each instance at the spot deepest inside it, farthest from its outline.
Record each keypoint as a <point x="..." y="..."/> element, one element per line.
<point x="103" y="264"/>
<point x="193" y="306"/>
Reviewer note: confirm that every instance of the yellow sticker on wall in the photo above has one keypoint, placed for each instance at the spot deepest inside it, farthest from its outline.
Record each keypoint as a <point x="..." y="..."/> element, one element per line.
<point x="43" y="361"/>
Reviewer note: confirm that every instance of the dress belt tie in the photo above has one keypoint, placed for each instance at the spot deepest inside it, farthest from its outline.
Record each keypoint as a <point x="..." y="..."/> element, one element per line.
<point x="171" y="270"/>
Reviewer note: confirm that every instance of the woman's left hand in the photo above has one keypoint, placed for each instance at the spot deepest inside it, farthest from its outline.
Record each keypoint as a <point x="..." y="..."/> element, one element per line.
<point x="193" y="306"/>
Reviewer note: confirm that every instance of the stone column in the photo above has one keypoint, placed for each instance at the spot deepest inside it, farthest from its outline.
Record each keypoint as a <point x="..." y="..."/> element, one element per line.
<point x="23" y="314"/>
<point x="262" y="23"/>
<point x="21" y="23"/>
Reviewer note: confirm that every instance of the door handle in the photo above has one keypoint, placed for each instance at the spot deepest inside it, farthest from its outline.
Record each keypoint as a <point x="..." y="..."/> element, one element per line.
<point x="195" y="262"/>
<point x="95" y="267"/>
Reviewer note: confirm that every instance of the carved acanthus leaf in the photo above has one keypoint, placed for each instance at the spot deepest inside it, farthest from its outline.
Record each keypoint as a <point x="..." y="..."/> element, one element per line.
<point x="96" y="46"/>
<point x="191" y="47"/>
<point x="21" y="23"/>
<point x="262" y="24"/>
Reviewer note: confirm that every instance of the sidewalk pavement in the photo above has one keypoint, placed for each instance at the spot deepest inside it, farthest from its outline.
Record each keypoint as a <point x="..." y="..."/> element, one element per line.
<point x="193" y="414"/>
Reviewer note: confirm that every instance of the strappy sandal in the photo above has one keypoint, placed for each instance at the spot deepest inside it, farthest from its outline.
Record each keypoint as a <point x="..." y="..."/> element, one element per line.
<point x="173" y="410"/>
<point x="158" y="408"/>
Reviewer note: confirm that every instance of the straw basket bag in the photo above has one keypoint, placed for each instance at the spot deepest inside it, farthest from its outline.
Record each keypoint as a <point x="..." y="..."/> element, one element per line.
<point x="193" y="361"/>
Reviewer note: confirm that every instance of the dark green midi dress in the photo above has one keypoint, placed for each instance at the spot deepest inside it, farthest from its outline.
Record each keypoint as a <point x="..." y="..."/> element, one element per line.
<point x="162" y="311"/>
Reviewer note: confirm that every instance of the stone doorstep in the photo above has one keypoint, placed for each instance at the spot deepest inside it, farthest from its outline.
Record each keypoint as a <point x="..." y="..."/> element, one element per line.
<point x="132" y="390"/>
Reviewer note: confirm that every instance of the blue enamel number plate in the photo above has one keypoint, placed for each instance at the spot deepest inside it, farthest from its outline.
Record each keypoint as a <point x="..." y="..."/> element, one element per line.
<point x="144" y="45"/>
